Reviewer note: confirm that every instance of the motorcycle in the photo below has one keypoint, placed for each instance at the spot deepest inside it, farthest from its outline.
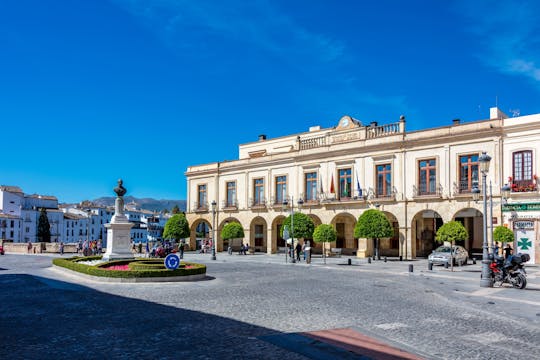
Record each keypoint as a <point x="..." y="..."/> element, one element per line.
<point x="510" y="271"/>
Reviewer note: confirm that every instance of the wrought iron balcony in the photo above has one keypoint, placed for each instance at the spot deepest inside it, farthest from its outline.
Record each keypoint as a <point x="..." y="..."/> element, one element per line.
<point x="200" y="207"/>
<point x="229" y="205"/>
<point x="523" y="186"/>
<point x="257" y="204"/>
<point x="423" y="190"/>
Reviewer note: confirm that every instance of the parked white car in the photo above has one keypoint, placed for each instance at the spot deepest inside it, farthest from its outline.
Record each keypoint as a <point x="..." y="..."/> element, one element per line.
<point x="441" y="255"/>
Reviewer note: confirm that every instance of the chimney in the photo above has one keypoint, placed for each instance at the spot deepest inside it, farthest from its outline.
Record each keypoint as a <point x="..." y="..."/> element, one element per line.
<point x="262" y="137"/>
<point x="456" y="121"/>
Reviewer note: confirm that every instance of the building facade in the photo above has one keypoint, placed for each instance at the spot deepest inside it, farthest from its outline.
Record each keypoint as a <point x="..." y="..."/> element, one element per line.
<point x="419" y="179"/>
<point x="19" y="214"/>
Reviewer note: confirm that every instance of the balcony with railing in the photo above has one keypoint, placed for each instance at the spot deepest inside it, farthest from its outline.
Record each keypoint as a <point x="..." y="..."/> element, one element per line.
<point x="523" y="186"/>
<point x="257" y="204"/>
<point x="388" y="196"/>
<point x="425" y="191"/>
<point x="229" y="205"/>
<point x="465" y="187"/>
<point x="333" y="198"/>
<point x="200" y="207"/>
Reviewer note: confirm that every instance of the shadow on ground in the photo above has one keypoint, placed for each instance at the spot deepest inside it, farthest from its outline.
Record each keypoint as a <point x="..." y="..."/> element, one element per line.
<point x="42" y="318"/>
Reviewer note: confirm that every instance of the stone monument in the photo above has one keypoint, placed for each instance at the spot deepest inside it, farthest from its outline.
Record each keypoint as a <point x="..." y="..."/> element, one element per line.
<point x="119" y="229"/>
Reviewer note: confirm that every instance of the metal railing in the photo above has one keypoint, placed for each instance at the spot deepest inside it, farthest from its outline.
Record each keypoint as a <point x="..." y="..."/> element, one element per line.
<point x="423" y="190"/>
<point x="200" y="207"/>
<point x="229" y="204"/>
<point x="257" y="203"/>
<point x="523" y="186"/>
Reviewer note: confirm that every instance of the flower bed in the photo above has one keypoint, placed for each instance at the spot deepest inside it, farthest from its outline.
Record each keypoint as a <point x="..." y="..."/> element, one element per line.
<point x="132" y="268"/>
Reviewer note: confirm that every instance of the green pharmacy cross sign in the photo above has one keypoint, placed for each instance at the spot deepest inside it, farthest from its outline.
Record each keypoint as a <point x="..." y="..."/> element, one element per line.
<point x="524" y="243"/>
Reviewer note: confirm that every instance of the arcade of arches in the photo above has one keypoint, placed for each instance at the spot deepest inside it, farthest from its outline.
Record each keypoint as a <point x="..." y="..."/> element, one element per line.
<point x="262" y="232"/>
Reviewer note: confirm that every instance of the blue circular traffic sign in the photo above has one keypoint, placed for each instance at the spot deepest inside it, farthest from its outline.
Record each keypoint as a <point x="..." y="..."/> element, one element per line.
<point x="172" y="261"/>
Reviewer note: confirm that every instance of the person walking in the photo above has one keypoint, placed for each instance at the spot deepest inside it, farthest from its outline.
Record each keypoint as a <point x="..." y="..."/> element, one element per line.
<point x="507" y="251"/>
<point x="29" y="247"/>
<point x="308" y="252"/>
<point x="298" y="250"/>
<point x="61" y="248"/>
<point x="496" y="248"/>
<point x="181" y="248"/>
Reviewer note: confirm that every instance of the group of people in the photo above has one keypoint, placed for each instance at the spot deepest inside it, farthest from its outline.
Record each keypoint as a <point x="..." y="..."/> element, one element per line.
<point x="507" y="250"/>
<point x="304" y="249"/>
<point x="87" y="248"/>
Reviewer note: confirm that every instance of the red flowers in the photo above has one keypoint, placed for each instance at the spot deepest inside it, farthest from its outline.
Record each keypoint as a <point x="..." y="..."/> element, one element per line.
<point x="118" y="267"/>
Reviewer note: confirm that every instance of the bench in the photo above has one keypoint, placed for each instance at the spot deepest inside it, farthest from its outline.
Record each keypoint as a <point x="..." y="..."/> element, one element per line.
<point x="335" y="252"/>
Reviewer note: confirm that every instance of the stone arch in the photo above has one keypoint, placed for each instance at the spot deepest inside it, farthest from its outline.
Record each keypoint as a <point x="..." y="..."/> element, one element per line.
<point x="258" y="234"/>
<point x="199" y="232"/>
<point x="219" y="241"/>
<point x="344" y="224"/>
<point x="315" y="248"/>
<point x="473" y="220"/>
<point x="390" y="246"/>
<point x="424" y="226"/>
<point x="277" y="240"/>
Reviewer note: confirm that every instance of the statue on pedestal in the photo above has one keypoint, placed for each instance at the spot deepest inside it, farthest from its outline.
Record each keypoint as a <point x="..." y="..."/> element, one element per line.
<point x="118" y="230"/>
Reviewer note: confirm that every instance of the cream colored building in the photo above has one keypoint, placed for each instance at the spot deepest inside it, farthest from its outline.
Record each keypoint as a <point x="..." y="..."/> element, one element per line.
<point x="419" y="179"/>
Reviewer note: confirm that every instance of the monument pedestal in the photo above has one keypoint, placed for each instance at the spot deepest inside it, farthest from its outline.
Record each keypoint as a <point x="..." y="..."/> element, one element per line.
<point x="118" y="239"/>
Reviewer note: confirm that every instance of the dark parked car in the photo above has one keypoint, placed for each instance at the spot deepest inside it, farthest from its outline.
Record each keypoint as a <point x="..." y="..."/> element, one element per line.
<point x="441" y="255"/>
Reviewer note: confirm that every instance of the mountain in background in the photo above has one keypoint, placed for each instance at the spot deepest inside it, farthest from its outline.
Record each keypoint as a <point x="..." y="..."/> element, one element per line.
<point x="144" y="203"/>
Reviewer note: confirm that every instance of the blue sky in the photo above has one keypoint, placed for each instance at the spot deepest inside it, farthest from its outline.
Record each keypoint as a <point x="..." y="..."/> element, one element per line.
<point x="91" y="91"/>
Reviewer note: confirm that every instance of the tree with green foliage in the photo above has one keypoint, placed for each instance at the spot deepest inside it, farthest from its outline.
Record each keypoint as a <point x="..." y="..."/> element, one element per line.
<point x="451" y="232"/>
<point x="324" y="233"/>
<point x="302" y="228"/>
<point x="175" y="209"/>
<point x="503" y="234"/>
<point x="373" y="224"/>
<point x="232" y="230"/>
<point x="176" y="228"/>
<point x="44" y="228"/>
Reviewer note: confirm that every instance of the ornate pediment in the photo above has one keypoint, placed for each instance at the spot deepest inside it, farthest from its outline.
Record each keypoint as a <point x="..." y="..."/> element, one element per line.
<point x="347" y="122"/>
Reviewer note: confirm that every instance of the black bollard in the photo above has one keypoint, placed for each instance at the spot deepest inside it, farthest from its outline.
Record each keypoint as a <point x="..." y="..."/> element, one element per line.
<point x="474" y="261"/>
<point x="349" y="261"/>
<point x="385" y="259"/>
<point x="410" y="268"/>
<point x="430" y="265"/>
<point x="369" y="260"/>
<point x="400" y="257"/>
<point x="446" y="265"/>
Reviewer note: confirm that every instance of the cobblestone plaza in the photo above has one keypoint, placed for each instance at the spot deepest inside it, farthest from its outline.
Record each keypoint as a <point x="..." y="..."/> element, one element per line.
<point x="247" y="301"/>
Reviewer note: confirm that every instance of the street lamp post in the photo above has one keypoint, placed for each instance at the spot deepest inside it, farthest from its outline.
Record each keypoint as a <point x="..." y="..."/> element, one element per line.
<point x="214" y="230"/>
<point x="491" y="220"/>
<point x="285" y="205"/>
<point x="485" y="281"/>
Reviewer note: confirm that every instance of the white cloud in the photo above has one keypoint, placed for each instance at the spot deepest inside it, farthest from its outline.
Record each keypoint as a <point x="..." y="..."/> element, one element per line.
<point x="255" y="23"/>
<point x="509" y="33"/>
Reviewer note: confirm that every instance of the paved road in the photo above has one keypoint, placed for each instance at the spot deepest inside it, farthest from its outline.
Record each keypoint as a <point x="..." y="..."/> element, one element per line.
<point x="259" y="307"/>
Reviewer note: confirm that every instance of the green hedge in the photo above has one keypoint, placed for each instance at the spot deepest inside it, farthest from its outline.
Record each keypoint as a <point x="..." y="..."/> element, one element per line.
<point x="73" y="264"/>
